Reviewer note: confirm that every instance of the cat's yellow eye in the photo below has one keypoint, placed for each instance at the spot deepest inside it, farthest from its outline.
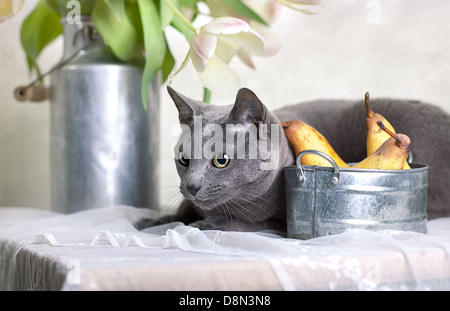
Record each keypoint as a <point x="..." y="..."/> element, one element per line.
<point x="221" y="160"/>
<point x="184" y="160"/>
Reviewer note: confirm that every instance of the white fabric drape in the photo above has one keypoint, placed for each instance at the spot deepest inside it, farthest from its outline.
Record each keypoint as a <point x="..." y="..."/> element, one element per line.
<point x="101" y="249"/>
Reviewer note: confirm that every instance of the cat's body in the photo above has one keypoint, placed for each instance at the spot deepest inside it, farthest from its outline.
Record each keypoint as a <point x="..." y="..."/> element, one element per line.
<point x="244" y="197"/>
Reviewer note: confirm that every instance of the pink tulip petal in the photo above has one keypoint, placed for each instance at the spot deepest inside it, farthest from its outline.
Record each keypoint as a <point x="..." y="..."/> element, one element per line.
<point x="305" y="6"/>
<point x="219" y="78"/>
<point x="249" y="42"/>
<point x="203" y="48"/>
<point x="199" y="63"/>
<point x="246" y="59"/>
<point x="227" y="48"/>
<point x="271" y="40"/>
<point x="204" y="45"/>
<point x="226" y="26"/>
<point x="268" y="10"/>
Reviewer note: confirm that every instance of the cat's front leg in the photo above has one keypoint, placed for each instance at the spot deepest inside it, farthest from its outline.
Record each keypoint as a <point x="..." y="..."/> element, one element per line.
<point x="228" y="223"/>
<point x="186" y="214"/>
<point x="217" y="222"/>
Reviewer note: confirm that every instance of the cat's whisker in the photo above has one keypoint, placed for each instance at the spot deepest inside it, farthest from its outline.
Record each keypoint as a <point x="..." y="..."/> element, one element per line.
<point x="255" y="205"/>
<point x="240" y="208"/>
<point x="172" y="199"/>
<point x="233" y="210"/>
<point x="170" y="194"/>
<point x="263" y="223"/>
<point x="249" y="211"/>
<point x="227" y="212"/>
<point x="155" y="192"/>
<point x="230" y="212"/>
<point x="263" y="199"/>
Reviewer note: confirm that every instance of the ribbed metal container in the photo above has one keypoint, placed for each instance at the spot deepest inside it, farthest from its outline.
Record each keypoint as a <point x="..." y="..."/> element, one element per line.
<point x="104" y="145"/>
<point x="322" y="201"/>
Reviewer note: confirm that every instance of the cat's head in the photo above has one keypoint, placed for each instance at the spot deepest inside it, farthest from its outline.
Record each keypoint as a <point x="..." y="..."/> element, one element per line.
<point x="227" y="155"/>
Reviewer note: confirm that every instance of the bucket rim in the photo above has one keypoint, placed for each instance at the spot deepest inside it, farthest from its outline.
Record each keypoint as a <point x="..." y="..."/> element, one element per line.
<point x="415" y="167"/>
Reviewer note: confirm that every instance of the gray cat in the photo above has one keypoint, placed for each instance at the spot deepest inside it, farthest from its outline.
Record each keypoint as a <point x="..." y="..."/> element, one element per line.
<point x="227" y="192"/>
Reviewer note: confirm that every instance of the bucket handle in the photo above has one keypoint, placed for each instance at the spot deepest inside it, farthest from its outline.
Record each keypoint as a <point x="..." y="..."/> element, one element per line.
<point x="334" y="181"/>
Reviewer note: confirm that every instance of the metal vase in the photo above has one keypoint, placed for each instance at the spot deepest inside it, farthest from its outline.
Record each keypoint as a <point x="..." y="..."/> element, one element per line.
<point x="104" y="145"/>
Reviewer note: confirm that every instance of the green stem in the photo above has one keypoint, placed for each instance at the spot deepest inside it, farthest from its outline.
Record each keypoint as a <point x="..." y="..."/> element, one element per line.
<point x="180" y="15"/>
<point x="206" y="95"/>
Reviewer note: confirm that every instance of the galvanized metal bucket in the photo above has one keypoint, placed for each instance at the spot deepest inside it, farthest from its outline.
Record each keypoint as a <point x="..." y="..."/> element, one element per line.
<point x="330" y="200"/>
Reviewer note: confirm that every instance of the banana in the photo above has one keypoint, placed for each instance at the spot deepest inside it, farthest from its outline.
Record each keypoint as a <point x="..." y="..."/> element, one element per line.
<point x="391" y="155"/>
<point x="376" y="136"/>
<point x="303" y="136"/>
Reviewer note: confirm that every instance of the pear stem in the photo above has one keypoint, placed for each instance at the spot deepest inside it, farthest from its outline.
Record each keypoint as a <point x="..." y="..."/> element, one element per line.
<point x="368" y="108"/>
<point x="285" y="125"/>
<point x="398" y="140"/>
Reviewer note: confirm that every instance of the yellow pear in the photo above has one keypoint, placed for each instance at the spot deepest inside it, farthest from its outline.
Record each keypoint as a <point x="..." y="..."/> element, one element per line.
<point x="391" y="155"/>
<point x="303" y="136"/>
<point x="376" y="136"/>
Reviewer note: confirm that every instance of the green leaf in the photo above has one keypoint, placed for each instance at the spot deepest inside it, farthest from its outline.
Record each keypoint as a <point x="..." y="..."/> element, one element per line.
<point x="168" y="64"/>
<point x="132" y="11"/>
<point x="189" y="3"/>
<point x="166" y="13"/>
<point x="120" y="36"/>
<point x="154" y="43"/>
<point x="179" y="25"/>
<point x="239" y="7"/>
<point x="117" y="7"/>
<point x="39" y="29"/>
<point x="60" y="6"/>
<point x="179" y="21"/>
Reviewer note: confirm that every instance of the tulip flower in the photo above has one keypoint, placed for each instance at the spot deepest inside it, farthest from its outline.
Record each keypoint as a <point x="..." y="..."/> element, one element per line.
<point x="8" y="8"/>
<point x="215" y="44"/>
<point x="213" y="47"/>
<point x="268" y="10"/>
<point x="305" y="6"/>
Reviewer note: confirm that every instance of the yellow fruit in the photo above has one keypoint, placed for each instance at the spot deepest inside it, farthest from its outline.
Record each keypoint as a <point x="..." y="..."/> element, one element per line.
<point x="375" y="135"/>
<point x="303" y="136"/>
<point x="391" y="155"/>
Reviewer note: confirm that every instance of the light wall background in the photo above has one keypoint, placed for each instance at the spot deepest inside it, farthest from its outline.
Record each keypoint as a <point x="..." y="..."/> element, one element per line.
<point x="397" y="48"/>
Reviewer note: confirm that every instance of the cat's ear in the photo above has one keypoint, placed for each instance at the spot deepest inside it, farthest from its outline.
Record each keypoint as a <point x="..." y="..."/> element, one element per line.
<point x="185" y="110"/>
<point x="247" y="108"/>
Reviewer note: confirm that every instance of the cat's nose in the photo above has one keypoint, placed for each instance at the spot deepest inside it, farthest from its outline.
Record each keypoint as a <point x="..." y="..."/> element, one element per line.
<point x="193" y="188"/>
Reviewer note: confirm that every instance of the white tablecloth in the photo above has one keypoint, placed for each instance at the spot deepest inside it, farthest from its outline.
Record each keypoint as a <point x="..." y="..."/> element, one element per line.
<point x="101" y="250"/>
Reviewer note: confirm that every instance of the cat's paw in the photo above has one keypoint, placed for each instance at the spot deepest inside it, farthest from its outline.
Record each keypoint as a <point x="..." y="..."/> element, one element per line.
<point x="212" y="223"/>
<point x="145" y="223"/>
<point x="225" y="223"/>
